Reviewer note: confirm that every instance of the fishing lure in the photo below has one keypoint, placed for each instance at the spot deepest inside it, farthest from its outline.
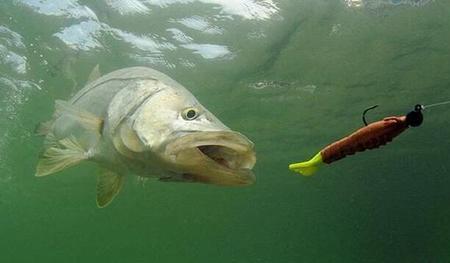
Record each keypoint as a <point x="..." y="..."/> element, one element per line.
<point x="371" y="136"/>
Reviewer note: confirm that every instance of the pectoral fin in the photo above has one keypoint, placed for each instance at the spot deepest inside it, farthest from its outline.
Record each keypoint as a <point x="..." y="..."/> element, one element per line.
<point x="88" y="120"/>
<point x="130" y="139"/>
<point x="60" y="155"/>
<point x="108" y="186"/>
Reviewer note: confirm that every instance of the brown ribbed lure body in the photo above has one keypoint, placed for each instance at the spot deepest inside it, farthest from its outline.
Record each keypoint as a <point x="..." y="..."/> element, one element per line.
<point x="369" y="137"/>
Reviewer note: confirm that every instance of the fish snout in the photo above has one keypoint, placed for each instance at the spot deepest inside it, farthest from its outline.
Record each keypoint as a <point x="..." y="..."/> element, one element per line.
<point x="221" y="158"/>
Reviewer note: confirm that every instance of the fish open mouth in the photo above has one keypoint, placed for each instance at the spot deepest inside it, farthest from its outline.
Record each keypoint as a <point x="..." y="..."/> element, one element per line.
<point x="227" y="157"/>
<point x="222" y="158"/>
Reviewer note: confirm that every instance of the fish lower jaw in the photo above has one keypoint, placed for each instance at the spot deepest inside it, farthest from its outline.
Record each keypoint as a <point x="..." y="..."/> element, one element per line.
<point x="239" y="178"/>
<point x="226" y="157"/>
<point x="214" y="161"/>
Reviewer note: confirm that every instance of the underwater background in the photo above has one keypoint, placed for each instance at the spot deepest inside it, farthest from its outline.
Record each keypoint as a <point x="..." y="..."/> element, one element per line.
<point x="292" y="75"/>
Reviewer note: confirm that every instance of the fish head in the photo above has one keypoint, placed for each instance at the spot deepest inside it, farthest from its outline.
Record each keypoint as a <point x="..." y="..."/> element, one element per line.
<point x="191" y="142"/>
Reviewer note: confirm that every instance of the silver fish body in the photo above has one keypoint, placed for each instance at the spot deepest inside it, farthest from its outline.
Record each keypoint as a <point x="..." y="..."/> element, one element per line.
<point x="140" y="121"/>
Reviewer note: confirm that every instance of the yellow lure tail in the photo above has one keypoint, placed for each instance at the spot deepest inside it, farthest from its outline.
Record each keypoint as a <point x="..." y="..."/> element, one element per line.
<point x="309" y="167"/>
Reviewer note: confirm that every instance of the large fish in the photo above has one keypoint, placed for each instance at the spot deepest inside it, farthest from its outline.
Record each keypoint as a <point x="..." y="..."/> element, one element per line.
<point x="139" y="121"/>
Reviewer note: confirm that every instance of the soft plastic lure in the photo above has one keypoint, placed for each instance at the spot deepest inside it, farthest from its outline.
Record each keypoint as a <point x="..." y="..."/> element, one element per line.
<point x="369" y="137"/>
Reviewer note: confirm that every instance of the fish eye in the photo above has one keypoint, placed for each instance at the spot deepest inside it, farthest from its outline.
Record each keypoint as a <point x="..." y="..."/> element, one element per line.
<point x="190" y="114"/>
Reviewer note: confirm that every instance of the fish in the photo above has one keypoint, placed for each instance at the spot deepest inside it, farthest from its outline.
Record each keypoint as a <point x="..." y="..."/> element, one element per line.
<point x="139" y="121"/>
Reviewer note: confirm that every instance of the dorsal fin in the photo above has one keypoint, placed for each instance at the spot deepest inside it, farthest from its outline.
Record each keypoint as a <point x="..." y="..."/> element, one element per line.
<point x="94" y="75"/>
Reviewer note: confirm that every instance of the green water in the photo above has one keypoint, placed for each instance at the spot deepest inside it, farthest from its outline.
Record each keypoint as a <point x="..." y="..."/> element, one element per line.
<point x="293" y="77"/>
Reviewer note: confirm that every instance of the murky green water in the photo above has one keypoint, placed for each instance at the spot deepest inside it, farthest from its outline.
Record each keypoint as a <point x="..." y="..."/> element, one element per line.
<point x="291" y="75"/>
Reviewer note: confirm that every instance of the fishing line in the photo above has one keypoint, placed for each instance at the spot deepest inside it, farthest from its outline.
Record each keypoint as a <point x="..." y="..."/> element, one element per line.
<point x="436" y="104"/>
